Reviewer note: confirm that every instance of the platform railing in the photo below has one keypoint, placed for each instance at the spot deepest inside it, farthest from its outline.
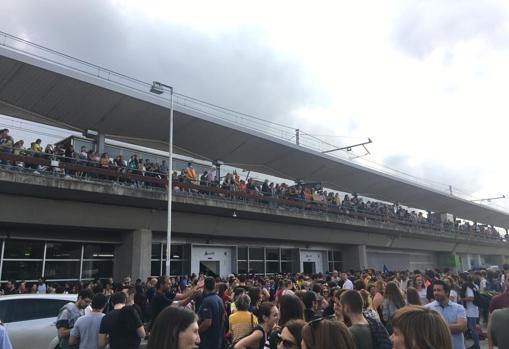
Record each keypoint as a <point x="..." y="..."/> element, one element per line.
<point x="85" y="170"/>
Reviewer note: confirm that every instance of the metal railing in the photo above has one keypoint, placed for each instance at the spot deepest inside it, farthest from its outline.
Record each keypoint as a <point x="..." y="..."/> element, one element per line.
<point x="51" y="164"/>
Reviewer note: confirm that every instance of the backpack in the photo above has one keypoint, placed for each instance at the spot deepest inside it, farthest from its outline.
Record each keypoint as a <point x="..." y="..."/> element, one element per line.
<point x="477" y="298"/>
<point x="379" y="334"/>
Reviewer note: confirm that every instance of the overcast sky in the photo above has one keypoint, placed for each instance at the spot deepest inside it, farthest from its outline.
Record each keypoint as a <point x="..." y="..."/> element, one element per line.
<point x="425" y="80"/>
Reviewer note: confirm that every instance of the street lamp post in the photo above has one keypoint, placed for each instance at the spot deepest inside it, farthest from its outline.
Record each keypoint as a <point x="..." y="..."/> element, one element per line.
<point x="159" y="88"/>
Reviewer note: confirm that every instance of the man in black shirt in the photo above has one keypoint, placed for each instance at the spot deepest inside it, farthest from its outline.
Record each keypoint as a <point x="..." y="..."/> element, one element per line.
<point x="165" y="296"/>
<point x="122" y="327"/>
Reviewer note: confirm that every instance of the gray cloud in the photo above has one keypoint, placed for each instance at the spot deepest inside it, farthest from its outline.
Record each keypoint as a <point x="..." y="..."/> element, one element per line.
<point x="423" y="26"/>
<point x="236" y="70"/>
<point x="464" y="179"/>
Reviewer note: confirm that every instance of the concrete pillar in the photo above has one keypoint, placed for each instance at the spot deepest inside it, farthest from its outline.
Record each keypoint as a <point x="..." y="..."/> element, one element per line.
<point x="355" y="257"/>
<point x="100" y="140"/>
<point x="133" y="256"/>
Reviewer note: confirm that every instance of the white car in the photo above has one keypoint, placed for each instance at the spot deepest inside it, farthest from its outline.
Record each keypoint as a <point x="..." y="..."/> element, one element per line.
<point x="30" y="319"/>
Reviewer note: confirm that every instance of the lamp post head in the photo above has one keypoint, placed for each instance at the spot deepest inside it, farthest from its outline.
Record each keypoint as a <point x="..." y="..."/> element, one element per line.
<point x="157" y="88"/>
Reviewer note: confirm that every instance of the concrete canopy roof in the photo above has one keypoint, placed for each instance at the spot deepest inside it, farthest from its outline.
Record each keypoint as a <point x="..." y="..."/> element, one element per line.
<point x="36" y="89"/>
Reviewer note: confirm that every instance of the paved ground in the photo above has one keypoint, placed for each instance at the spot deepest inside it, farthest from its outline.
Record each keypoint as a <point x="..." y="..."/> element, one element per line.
<point x="484" y="343"/>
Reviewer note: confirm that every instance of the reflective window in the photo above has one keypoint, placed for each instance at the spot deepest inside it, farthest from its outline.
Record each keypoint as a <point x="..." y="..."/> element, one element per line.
<point x="272" y="254"/>
<point x="98" y="251"/>
<point x="338" y="266"/>
<point x="63" y="250"/>
<point x="156" y="251"/>
<point x="62" y="270"/>
<point x="337" y="256"/>
<point x="155" y="268"/>
<point x="242" y="267"/>
<point x="176" y="268"/>
<point x="24" y="249"/>
<point x="256" y="268"/>
<point x="286" y="267"/>
<point x="97" y="269"/>
<point x="177" y="251"/>
<point x="21" y="270"/>
<point x="272" y="267"/>
<point x="30" y="309"/>
<point x="286" y="254"/>
<point x="242" y="253"/>
<point x="256" y="253"/>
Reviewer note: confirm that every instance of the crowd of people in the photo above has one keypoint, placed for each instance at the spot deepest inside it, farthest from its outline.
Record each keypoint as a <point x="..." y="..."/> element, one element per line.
<point x="313" y="197"/>
<point x="354" y="310"/>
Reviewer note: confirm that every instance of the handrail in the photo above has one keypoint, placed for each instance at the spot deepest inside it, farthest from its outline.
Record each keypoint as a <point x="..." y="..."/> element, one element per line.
<point x="74" y="166"/>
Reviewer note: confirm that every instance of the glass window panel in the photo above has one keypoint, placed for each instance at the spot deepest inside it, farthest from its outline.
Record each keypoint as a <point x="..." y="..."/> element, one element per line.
<point x="177" y="251"/>
<point x="337" y="256"/>
<point x="330" y="255"/>
<point x="7" y="310"/>
<point x="97" y="269"/>
<point x="331" y="266"/>
<point x="242" y="253"/>
<point x="24" y="249"/>
<point x="98" y="251"/>
<point x="29" y="309"/>
<point x="156" y="251"/>
<point x="256" y="268"/>
<point x="272" y="267"/>
<point x="256" y="253"/>
<point x="338" y="265"/>
<point x="272" y="254"/>
<point x="20" y="270"/>
<point x="63" y="250"/>
<point x="62" y="270"/>
<point x="286" y="267"/>
<point x="286" y="254"/>
<point x="242" y="267"/>
<point x="155" y="268"/>
<point x="176" y="268"/>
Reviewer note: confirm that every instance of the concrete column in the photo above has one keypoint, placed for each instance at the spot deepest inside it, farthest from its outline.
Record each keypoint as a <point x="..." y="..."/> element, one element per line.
<point x="100" y="143"/>
<point x="355" y="257"/>
<point x="133" y="255"/>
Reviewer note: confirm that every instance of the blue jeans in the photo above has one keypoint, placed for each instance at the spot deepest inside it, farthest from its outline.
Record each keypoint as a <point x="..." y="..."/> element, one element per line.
<point x="471" y="323"/>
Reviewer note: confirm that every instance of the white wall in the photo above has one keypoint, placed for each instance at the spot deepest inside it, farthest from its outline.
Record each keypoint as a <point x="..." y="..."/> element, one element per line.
<point x="312" y="256"/>
<point x="212" y="253"/>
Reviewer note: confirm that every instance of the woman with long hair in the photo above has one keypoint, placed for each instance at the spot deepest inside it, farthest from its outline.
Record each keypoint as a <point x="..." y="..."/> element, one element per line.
<point x="412" y="296"/>
<point x="421" y="289"/>
<point x="367" y="311"/>
<point x="174" y="328"/>
<point x="290" y="308"/>
<point x="322" y="333"/>
<point x="393" y="300"/>
<point x="377" y="295"/>
<point x="291" y="335"/>
<point x="418" y="327"/>
<point x="268" y="316"/>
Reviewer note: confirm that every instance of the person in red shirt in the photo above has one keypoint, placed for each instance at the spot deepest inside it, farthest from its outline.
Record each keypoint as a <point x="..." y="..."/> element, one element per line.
<point x="502" y="300"/>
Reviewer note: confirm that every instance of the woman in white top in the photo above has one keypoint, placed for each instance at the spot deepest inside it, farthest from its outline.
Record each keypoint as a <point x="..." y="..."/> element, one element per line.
<point x="421" y="289"/>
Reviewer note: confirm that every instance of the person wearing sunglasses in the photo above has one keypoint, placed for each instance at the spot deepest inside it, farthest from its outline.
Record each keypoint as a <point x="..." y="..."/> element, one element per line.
<point x="324" y="333"/>
<point x="291" y="335"/>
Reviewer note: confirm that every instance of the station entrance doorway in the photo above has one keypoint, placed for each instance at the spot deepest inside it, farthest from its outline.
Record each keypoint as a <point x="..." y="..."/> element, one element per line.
<point x="211" y="260"/>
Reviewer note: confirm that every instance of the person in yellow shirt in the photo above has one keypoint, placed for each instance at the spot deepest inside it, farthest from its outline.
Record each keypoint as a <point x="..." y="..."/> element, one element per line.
<point x="242" y="321"/>
<point x="36" y="146"/>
